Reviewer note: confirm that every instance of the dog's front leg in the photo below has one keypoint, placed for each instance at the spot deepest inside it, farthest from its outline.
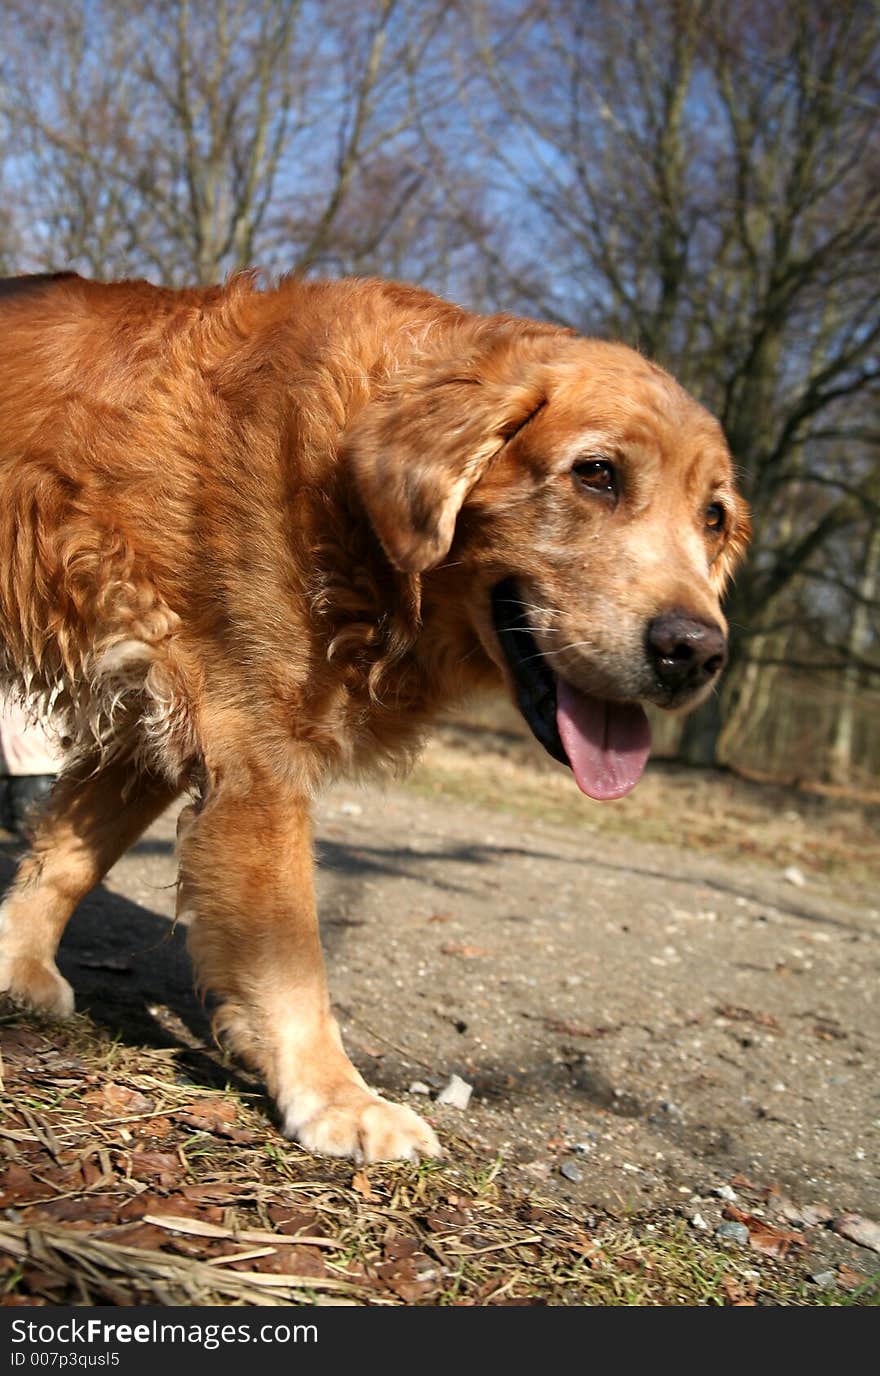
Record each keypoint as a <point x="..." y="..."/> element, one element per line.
<point x="247" y="883"/>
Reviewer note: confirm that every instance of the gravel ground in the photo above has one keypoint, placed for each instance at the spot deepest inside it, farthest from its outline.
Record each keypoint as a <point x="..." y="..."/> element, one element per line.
<point x="641" y="1023"/>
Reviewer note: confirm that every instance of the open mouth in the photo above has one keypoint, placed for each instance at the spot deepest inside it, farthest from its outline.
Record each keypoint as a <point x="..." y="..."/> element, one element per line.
<point x="605" y="743"/>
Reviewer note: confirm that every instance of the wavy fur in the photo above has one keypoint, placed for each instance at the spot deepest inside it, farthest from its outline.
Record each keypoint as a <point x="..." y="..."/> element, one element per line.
<point x="248" y="540"/>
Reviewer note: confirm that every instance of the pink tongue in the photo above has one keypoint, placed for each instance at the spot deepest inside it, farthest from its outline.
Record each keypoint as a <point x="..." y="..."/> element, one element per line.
<point x="607" y="743"/>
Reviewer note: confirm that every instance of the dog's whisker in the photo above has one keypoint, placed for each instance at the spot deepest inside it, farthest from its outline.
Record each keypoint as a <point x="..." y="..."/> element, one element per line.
<point x="550" y="616"/>
<point x="528" y="606"/>
<point x="561" y="650"/>
<point x="572" y="645"/>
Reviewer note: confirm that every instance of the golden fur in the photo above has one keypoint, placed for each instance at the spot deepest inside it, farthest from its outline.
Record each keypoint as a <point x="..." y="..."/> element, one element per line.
<point x="247" y="542"/>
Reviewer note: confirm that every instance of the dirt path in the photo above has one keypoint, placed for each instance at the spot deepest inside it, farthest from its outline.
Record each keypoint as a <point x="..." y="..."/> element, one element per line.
<point x="639" y="1022"/>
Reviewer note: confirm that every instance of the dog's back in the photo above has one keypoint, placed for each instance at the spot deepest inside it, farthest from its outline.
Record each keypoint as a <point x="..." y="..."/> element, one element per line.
<point x="92" y="473"/>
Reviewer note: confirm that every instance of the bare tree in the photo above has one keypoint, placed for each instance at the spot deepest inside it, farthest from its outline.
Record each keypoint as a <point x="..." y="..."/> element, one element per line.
<point x="702" y="181"/>
<point x="186" y="139"/>
<point x="699" y="179"/>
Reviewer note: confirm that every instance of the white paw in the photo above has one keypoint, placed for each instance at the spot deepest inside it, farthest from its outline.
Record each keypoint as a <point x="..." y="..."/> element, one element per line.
<point x="355" y="1123"/>
<point x="37" y="983"/>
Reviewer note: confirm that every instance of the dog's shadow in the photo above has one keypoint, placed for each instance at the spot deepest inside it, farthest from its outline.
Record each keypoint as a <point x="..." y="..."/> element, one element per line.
<point x="131" y="972"/>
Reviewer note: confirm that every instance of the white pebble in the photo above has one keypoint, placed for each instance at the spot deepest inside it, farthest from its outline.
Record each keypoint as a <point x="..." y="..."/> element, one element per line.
<point x="457" y="1093"/>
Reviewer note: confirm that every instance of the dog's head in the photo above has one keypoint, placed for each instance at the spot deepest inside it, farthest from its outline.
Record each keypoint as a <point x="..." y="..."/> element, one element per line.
<point x="586" y="507"/>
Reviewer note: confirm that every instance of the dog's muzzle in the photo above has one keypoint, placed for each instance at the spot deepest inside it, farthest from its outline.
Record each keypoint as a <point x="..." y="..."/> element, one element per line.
<point x="604" y="742"/>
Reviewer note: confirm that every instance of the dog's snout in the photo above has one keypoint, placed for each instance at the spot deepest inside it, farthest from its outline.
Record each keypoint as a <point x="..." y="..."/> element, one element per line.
<point x="685" y="651"/>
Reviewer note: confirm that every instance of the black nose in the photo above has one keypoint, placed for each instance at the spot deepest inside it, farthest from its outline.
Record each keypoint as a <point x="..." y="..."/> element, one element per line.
<point x="685" y="652"/>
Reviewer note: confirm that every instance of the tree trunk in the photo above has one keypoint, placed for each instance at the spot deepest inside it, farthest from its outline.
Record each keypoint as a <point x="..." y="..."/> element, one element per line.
<point x="841" y="753"/>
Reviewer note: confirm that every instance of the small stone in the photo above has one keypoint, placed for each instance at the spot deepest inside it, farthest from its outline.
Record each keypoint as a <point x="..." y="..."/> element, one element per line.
<point x="457" y="1093"/>
<point x="826" y="1280"/>
<point x="571" y="1172"/>
<point x="419" y="1087"/>
<point x="795" y="876"/>
<point x="863" y="1231"/>
<point x="734" y="1232"/>
<point x="582" y="1148"/>
<point x="725" y="1192"/>
<point x="698" y="1221"/>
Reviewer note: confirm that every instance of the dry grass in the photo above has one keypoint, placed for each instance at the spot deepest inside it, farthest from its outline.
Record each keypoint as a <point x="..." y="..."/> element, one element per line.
<point x="728" y="816"/>
<point x="124" y="1183"/>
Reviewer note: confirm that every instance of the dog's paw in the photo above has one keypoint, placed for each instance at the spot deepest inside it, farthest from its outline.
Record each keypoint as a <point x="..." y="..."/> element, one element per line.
<point x="37" y="983"/>
<point x="360" y="1125"/>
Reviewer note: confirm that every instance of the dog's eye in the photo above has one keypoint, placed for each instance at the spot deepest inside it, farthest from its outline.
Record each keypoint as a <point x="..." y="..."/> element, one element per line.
<point x="596" y="475"/>
<point x="715" y="517"/>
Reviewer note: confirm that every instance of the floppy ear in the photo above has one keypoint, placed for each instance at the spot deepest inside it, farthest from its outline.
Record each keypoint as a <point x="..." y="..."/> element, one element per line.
<point x="419" y="448"/>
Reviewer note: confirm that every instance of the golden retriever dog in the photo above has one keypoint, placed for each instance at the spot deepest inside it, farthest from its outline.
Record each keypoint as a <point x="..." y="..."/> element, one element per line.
<point x="251" y="540"/>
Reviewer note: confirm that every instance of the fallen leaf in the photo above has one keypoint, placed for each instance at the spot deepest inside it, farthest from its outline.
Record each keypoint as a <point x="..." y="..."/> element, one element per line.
<point x="179" y="1205"/>
<point x="153" y="1127"/>
<point x="736" y="1294"/>
<point x="119" y="1099"/>
<point x="82" y="1211"/>
<point x="446" y="1220"/>
<point x="93" y="1172"/>
<point x="292" y="1220"/>
<point x="217" y="1116"/>
<point x="763" y="1237"/>
<point x="210" y="1111"/>
<point x="398" y="1247"/>
<point x="742" y="1182"/>
<point x="22" y="1040"/>
<point x="18" y="1186"/>
<point x="163" y="1166"/>
<point x="411" y="1278"/>
<point x="848" y="1277"/>
<point x="215" y="1193"/>
<point x="533" y="1214"/>
<point x="145" y="1235"/>
<point x="289" y="1261"/>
